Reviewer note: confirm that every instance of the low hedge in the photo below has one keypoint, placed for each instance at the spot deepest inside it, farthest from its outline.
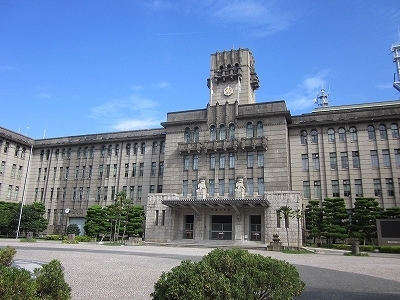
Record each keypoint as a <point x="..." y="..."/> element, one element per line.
<point x="365" y="248"/>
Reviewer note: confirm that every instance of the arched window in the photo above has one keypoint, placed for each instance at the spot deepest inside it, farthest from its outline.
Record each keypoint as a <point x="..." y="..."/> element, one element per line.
<point x="231" y="131"/>
<point x="383" y="132"/>
<point x="154" y="148"/>
<point x="342" y="134"/>
<point x="109" y="151"/>
<point x="23" y="152"/>
<point x="116" y="149"/>
<point x="213" y="133"/>
<point x="16" y="151"/>
<point x="314" y="136"/>
<point x="260" y="132"/>
<point x="57" y="153"/>
<point x="128" y="149"/>
<point x="331" y="135"/>
<point x="162" y="147"/>
<point x="187" y="135"/>
<point x="371" y="132"/>
<point x="353" y="134"/>
<point x="92" y="152"/>
<point x="85" y="152"/>
<point x="79" y="152"/>
<point x="41" y="155"/>
<point x="135" y="148"/>
<point x="249" y="130"/>
<point x="395" y="131"/>
<point x="143" y="148"/>
<point x="196" y="134"/>
<point x="303" y="137"/>
<point x="222" y="132"/>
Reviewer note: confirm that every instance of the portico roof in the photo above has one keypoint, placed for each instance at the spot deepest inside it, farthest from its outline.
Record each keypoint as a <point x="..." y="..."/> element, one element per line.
<point x="212" y="202"/>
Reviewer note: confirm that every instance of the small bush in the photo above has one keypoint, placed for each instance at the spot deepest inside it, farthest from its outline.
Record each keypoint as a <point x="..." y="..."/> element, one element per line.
<point x="83" y="238"/>
<point x="230" y="274"/>
<point x="7" y="256"/>
<point x="55" y="237"/>
<point x="341" y="246"/>
<point x="16" y="284"/>
<point x="25" y="240"/>
<point x="73" y="229"/>
<point x="70" y="242"/>
<point x="389" y="249"/>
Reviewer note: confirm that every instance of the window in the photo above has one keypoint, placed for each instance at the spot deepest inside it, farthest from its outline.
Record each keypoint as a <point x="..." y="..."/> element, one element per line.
<point x="92" y="152"/>
<point x="186" y="162"/>
<point x="108" y="171"/>
<point x="389" y="186"/>
<point x="76" y="172"/>
<point x="222" y="160"/>
<point x="162" y="147"/>
<point x="57" y="154"/>
<point x="153" y="171"/>
<point x="231" y="160"/>
<point x="85" y="152"/>
<point x="16" y="151"/>
<point x="377" y="187"/>
<point x="105" y="193"/>
<point x="249" y="130"/>
<point x="331" y="135"/>
<point x="231" y="131"/>
<point x="141" y="169"/>
<point x="317" y="189"/>
<point x="152" y="189"/>
<point x="335" y="188"/>
<point x="196" y="134"/>
<point x="306" y="189"/>
<point x="90" y="171"/>
<point x="231" y="187"/>
<point x="221" y="186"/>
<point x="213" y="133"/>
<point x="13" y="170"/>
<point x="154" y="148"/>
<point x="98" y="196"/>
<point x="346" y="188"/>
<point x="344" y="159"/>
<point x="260" y="186"/>
<point x="250" y="159"/>
<point x="41" y="155"/>
<point x="2" y="167"/>
<point x="250" y="186"/>
<point x="139" y="192"/>
<point x="186" y="135"/>
<point x="212" y="161"/>
<point x="211" y="186"/>
<point x="194" y="187"/>
<point x="359" y="188"/>
<point x="315" y="158"/>
<point x="131" y="192"/>
<point x="304" y="162"/>
<point x="222" y="132"/>
<point x="66" y="172"/>
<point x="79" y="152"/>
<point x="23" y="153"/>
<point x="126" y="174"/>
<point x="135" y="148"/>
<point x="395" y="131"/>
<point x="374" y="159"/>
<point x="353" y="134"/>
<point x="6" y="145"/>
<point x="314" y="136"/>
<point x="260" y="159"/>
<point x="161" y="168"/>
<point x="109" y="150"/>
<point x="260" y="132"/>
<point x="133" y="169"/>
<point x="303" y="137"/>
<point x="143" y="148"/>
<point x="128" y="149"/>
<point x="342" y="134"/>
<point x="356" y="159"/>
<point x="383" y="132"/>
<point x="113" y="193"/>
<point x="185" y="188"/>
<point x="397" y="157"/>
<point x="371" y="132"/>
<point x="101" y="171"/>
<point x="159" y="188"/>
<point x="386" y="158"/>
<point x="333" y="160"/>
<point x="195" y="162"/>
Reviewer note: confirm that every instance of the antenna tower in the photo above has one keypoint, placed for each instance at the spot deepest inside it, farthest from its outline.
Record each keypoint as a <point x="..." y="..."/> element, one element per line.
<point x="322" y="98"/>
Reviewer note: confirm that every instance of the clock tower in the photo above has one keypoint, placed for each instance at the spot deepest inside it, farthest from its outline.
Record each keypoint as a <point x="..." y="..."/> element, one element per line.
<point x="232" y="77"/>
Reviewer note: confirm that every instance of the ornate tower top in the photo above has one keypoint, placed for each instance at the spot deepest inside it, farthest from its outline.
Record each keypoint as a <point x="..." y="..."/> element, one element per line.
<point x="232" y="77"/>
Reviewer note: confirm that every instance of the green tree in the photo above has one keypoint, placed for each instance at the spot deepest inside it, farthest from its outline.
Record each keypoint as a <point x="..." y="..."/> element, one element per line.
<point x="9" y="213"/>
<point x="32" y="218"/>
<point x="334" y="223"/>
<point x="363" y="219"/>
<point x="73" y="229"/>
<point x="135" y="217"/>
<point x="230" y="274"/>
<point x="96" y="222"/>
<point x="286" y="212"/>
<point x="313" y="218"/>
<point x="391" y="213"/>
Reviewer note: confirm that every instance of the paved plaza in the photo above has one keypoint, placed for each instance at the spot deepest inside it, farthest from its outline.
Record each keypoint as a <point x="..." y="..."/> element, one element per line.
<point x="129" y="272"/>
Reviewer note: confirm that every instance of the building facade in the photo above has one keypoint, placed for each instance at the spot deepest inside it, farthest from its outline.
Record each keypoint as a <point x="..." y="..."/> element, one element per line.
<point x="218" y="173"/>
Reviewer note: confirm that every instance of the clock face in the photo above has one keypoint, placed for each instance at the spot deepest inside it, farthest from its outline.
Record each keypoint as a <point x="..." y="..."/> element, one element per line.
<point x="228" y="91"/>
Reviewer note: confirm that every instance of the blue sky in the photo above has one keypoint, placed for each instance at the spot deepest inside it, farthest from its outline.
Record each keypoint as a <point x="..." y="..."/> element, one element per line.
<point x="83" y="67"/>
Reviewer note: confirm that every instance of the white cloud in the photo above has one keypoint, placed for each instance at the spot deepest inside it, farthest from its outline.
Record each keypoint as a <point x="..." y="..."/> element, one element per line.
<point x="136" y="124"/>
<point x="306" y="91"/>
<point x="43" y="96"/>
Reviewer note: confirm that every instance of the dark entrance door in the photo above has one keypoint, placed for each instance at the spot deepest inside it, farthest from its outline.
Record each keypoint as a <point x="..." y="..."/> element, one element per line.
<point x="188" y="232"/>
<point x="255" y="228"/>
<point x="221" y="227"/>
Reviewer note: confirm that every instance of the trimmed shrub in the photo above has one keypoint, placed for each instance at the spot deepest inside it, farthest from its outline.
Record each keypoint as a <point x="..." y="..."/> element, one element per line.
<point x="16" y="284"/>
<point x="7" y="256"/>
<point x="73" y="229"/>
<point x="230" y="274"/>
<point x="389" y="249"/>
<point x="82" y="238"/>
<point x="55" y="237"/>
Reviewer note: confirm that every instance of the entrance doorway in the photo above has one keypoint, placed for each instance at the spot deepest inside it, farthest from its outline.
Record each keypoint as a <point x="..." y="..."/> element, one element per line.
<point x="221" y="227"/>
<point x="188" y="232"/>
<point x="255" y="228"/>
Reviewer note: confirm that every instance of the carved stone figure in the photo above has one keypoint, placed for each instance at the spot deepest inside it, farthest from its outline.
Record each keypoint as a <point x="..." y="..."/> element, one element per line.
<point x="239" y="189"/>
<point x="202" y="189"/>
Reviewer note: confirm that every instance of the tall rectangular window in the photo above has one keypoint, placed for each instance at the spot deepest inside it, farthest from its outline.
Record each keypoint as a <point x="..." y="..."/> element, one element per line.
<point x="304" y="162"/>
<point x="389" y="186"/>
<point x="231" y="160"/>
<point x="101" y="171"/>
<point x="108" y="171"/>
<point x="374" y="159"/>
<point x="161" y="168"/>
<point x="211" y="184"/>
<point x="260" y="186"/>
<point x="185" y="188"/>
<point x="133" y="169"/>
<point x="139" y="192"/>
<point x="346" y="188"/>
<point x="250" y="159"/>
<point x="231" y="187"/>
<point x="335" y="188"/>
<point x="153" y="170"/>
<point x="260" y="159"/>
<point x="359" y="188"/>
<point x="397" y="157"/>
<point x="317" y="189"/>
<point x="315" y="158"/>
<point x="141" y="169"/>
<point x="195" y="162"/>
<point x="76" y="172"/>
<point x="377" y="187"/>
<point x="333" y="160"/>
<point x="126" y="173"/>
<point x="115" y="170"/>
<point x="222" y="160"/>
<point x="194" y="187"/>
<point x="345" y="160"/>
<point x="386" y="158"/>
<point x="212" y="161"/>
<point x="186" y="162"/>
<point x="306" y="189"/>
<point x="131" y="192"/>
<point x="356" y="159"/>
<point x="221" y="186"/>
<point x="250" y="186"/>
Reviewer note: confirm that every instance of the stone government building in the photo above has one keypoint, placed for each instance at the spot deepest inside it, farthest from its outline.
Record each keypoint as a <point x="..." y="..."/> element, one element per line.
<point x="218" y="173"/>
